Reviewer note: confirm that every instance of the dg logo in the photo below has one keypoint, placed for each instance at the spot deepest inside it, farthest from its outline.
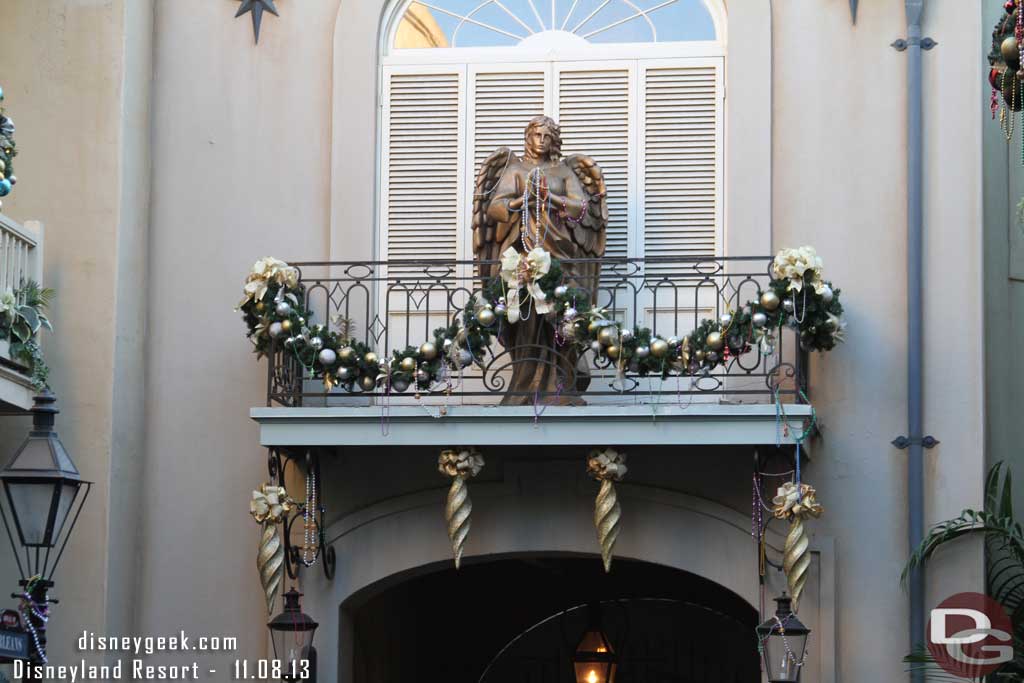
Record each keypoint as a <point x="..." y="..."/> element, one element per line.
<point x="970" y="635"/>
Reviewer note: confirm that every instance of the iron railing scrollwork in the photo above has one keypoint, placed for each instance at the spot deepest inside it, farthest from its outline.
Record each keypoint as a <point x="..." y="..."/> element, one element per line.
<point x="391" y="305"/>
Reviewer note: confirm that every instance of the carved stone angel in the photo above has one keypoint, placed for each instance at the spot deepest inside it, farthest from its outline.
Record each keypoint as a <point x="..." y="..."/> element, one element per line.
<point x="541" y="200"/>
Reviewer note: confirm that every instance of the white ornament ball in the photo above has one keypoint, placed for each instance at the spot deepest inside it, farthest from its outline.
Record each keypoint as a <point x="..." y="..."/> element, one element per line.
<point x="827" y="294"/>
<point x="328" y="357"/>
<point x="561" y="291"/>
<point x="276" y="330"/>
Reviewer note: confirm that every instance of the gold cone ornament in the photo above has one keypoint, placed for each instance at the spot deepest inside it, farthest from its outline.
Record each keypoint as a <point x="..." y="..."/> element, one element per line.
<point x="796" y="503"/>
<point x="459" y="465"/>
<point x="607" y="466"/>
<point x="269" y="506"/>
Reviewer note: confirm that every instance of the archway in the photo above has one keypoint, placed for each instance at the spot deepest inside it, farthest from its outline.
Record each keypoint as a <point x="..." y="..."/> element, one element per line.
<point x="517" y="618"/>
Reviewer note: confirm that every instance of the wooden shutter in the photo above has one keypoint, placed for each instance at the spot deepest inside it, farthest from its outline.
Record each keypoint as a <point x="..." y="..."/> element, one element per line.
<point x="681" y="122"/>
<point x="594" y="112"/>
<point x="420" y="202"/>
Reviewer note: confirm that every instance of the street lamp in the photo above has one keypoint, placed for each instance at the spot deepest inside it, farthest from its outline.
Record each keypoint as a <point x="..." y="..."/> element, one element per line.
<point x="291" y="633"/>
<point x="594" y="660"/>
<point x="41" y="486"/>
<point x="783" y="643"/>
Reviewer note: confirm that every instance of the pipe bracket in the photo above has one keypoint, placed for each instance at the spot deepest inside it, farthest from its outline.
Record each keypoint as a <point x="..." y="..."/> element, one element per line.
<point x="902" y="44"/>
<point x="904" y="442"/>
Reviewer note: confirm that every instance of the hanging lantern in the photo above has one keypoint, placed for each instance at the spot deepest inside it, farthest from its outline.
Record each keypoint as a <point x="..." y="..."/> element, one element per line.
<point x="783" y="643"/>
<point x="594" y="660"/>
<point x="291" y="633"/>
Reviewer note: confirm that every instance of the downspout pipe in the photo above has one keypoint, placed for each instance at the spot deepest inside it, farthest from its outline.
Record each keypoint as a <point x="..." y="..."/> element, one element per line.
<point x="915" y="321"/>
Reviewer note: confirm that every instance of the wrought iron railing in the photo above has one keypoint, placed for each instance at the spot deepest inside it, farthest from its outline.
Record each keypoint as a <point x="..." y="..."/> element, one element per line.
<point x="392" y="305"/>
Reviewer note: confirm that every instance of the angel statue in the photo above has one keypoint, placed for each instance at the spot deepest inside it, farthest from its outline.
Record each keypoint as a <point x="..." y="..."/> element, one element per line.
<point x="558" y="204"/>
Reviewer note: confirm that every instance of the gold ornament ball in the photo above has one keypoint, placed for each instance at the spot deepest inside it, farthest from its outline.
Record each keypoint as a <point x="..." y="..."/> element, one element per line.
<point x="699" y="354"/>
<point x="429" y="351"/>
<point x="1011" y="53"/>
<point x="370" y="358"/>
<point x="346" y="354"/>
<point x="659" y="347"/>
<point x="286" y="325"/>
<point x="612" y="351"/>
<point x="593" y="326"/>
<point x="485" y="316"/>
<point x="408" y="364"/>
<point x="770" y="300"/>
<point x="608" y="335"/>
<point x="260" y="306"/>
<point x="367" y="383"/>
<point x="714" y="341"/>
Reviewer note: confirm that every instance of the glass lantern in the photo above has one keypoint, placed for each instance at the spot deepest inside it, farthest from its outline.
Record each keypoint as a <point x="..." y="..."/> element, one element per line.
<point x="783" y="641"/>
<point x="291" y="633"/>
<point x="594" y="660"/>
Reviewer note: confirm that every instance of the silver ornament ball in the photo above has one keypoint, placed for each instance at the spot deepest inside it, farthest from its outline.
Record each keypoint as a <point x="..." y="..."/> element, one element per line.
<point x="595" y="346"/>
<point x="725" y="319"/>
<point x="399" y="384"/>
<point x="316" y="343"/>
<point x="643" y="351"/>
<point x="759" y="319"/>
<point x="561" y="291"/>
<point x="501" y="309"/>
<point x="673" y="342"/>
<point x="788" y="305"/>
<point x="626" y="334"/>
<point x="570" y="313"/>
<point x="447" y="345"/>
<point x="827" y="294"/>
<point x="276" y="330"/>
<point x="344" y="374"/>
<point x="283" y="308"/>
<point x="328" y="357"/>
<point x="465" y="358"/>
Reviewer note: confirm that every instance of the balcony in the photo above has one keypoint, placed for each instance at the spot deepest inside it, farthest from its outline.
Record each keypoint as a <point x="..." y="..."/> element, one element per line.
<point x="749" y="397"/>
<point x="21" y="259"/>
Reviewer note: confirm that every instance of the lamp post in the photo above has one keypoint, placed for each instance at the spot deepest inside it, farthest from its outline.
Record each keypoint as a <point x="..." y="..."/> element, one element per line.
<point x="783" y="643"/>
<point x="594" y="660"/>
<point x="291" y="633"/>
<point x="42" y="490"/>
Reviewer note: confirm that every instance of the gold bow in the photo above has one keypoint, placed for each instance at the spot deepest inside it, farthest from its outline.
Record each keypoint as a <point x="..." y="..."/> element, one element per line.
<point x="790" y="502"/>
<point x="270" y="504"/>
<point x="265" y="271"/>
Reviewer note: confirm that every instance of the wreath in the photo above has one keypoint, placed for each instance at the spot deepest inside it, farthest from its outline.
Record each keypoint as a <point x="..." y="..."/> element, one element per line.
<point x="797" y="296"/>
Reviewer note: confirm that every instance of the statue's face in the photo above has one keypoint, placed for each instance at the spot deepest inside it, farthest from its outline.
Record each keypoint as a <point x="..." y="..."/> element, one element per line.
<point x="540" y="142"/>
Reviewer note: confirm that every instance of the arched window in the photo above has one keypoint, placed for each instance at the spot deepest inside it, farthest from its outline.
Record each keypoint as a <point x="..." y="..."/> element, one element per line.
<point x="637" y="84"/>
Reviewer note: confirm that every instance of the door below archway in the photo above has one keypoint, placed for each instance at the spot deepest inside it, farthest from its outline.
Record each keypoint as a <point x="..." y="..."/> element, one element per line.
<point x="518" y="619"/>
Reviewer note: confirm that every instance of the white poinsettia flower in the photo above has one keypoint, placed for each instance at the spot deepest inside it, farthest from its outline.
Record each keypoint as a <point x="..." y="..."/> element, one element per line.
<point x="8" y="302"/>
<point x="539" y="262"/>
<point x="510" y="266"/>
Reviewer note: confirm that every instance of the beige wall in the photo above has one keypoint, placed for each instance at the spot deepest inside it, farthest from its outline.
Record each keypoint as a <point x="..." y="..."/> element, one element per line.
<point x="271" y="150"/>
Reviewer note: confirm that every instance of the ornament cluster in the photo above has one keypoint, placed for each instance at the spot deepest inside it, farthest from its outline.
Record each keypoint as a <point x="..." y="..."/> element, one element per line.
<point x="798" y="297"/>
<point x="8" y="150"/>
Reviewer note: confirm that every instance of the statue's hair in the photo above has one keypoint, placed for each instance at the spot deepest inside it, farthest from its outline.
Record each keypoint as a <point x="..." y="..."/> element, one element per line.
<point x="553" y="127"/>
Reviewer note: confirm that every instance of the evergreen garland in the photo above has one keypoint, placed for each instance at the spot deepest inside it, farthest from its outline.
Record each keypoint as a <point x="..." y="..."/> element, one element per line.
<point x="8" y="150"/>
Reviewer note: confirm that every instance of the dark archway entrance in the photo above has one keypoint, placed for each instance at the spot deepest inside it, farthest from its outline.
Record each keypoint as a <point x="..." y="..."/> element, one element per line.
<point x="515" y="615"/>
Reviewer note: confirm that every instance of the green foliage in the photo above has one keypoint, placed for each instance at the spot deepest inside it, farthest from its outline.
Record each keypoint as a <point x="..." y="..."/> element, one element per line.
<point x="1004" y="547"/>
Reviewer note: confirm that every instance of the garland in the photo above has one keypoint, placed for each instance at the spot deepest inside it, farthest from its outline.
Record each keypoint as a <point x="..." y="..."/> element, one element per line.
<point x="534" y="284"/>
<point x="8" y="150"/>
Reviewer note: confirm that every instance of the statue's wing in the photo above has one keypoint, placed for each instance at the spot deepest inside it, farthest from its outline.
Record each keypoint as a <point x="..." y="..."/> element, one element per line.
<point x="591" y="232"/>
<point x="485" y="229"/>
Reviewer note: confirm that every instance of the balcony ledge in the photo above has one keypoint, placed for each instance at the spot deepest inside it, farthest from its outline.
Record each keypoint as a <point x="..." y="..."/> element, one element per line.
<point x="639" y="424"/>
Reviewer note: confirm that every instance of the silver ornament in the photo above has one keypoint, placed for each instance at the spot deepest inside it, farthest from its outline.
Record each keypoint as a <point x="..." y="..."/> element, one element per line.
<point x="570" y="313"/>
<point x="465" y="358"/>
<point x="561" y="291"/>
<point x="328" y="357"/>
<point x="626" y="334"/>
<point x="283" y="308"/>
<point x="827" y="294"/>
<point x="302" y="321"/>
<point x="788" y="305"/>
<point x="276" y="330"/>
<point x="595" y="346"/>
<point x="289" y="342"/>
<point x="712" y="357"/>
<point x="501" y="309"/>
<point x="447" y="345"/>
<point x="399" y="384"/>
<point x="643" y="351"/>
<point x="316" y="343"/>
<point x="725" y="319"/>
<point x="13" y="180"/>
<point x="422" y="376"/>
<point x="344" y="374"/>
<point x="759" y="319"/>
<point x="673" y="342"/>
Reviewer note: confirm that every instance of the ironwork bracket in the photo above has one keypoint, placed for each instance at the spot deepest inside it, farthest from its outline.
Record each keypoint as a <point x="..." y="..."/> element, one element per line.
<point x="905" y="442"/>
<point x="902" y="43"/>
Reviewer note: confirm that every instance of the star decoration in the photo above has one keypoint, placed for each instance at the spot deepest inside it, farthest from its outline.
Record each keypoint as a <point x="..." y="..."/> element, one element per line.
<point x="256" y="8"/>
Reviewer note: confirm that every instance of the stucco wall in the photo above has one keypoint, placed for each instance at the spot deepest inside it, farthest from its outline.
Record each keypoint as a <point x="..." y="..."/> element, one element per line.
<point x="249" y="158"/>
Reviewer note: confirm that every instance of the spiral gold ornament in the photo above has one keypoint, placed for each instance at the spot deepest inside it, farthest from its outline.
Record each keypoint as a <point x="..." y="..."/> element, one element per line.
<point x="270" y="562"/>
<point x="607" y="466"/>
<point x="459" y="465"/>
<point x="796" y="504"/>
